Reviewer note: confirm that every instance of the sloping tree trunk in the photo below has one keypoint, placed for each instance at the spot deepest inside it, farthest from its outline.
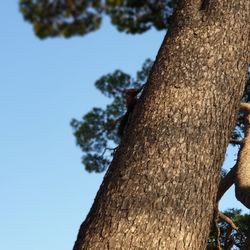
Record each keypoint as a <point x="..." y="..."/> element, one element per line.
<point x="242" y="184"/>
<point x="160" y="189"/>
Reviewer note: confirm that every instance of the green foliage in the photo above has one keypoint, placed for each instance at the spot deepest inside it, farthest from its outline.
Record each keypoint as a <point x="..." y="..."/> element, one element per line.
<point x="78" y="17"/>
<point x="62" y="18"/>
<point x="96" y="133"/>
<point x="138" y="16"/>
<point x="228" y="237"/>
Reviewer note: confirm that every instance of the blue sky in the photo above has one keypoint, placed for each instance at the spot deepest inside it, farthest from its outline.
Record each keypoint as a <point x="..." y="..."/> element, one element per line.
<point x="44" y="189"/>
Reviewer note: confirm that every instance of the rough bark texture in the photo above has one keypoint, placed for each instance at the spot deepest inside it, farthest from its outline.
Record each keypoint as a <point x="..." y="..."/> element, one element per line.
<point x="242" y="183"/>
<point x="160" y="190"/>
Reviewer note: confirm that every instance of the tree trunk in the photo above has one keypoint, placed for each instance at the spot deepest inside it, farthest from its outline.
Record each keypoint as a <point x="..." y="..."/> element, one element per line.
<point x="160" y="190"/>
<point x="242" y="183"/>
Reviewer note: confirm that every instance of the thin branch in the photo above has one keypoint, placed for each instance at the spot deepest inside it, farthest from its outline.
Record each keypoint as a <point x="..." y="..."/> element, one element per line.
<point x="226" y="182"/>
<point x="228" y="221"/>
<point x="218" y="245"/>
<point x="107" y="148"/>
<point x="230" y="240"/>
<point x="236" y="142"/>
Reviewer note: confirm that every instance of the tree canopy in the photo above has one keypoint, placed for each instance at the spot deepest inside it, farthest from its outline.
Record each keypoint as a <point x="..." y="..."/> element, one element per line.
<point x="79" y="17"/>
<point x="96" y="134"/>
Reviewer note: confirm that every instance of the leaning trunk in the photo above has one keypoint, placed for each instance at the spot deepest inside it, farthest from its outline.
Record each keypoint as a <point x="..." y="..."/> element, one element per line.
<point x="242" y="180"/>
<point x="160" y="190"/>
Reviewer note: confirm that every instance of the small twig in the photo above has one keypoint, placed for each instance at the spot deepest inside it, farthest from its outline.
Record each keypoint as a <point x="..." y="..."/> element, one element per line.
<point x="228" y="233"/>
<point x="217" y="228"/>
<point x="218" y="245"/>
<point x="228" y="221"/>
<point x="106" y="148"/>
<point x="230" y="240"/>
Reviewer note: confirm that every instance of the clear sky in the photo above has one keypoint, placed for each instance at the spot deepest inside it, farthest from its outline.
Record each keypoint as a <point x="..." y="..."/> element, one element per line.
<point x="44" y="189"/>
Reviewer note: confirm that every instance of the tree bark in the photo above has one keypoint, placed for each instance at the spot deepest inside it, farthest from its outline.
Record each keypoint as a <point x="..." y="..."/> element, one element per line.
<point x="160" y="190"/>
<point x="242" y="180"/>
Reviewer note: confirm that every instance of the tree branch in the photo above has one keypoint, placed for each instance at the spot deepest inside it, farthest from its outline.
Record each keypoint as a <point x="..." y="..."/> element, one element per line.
<point x="228" y="221"/>
<point x="236" y="142"/>
<point x="226" y="182"/>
